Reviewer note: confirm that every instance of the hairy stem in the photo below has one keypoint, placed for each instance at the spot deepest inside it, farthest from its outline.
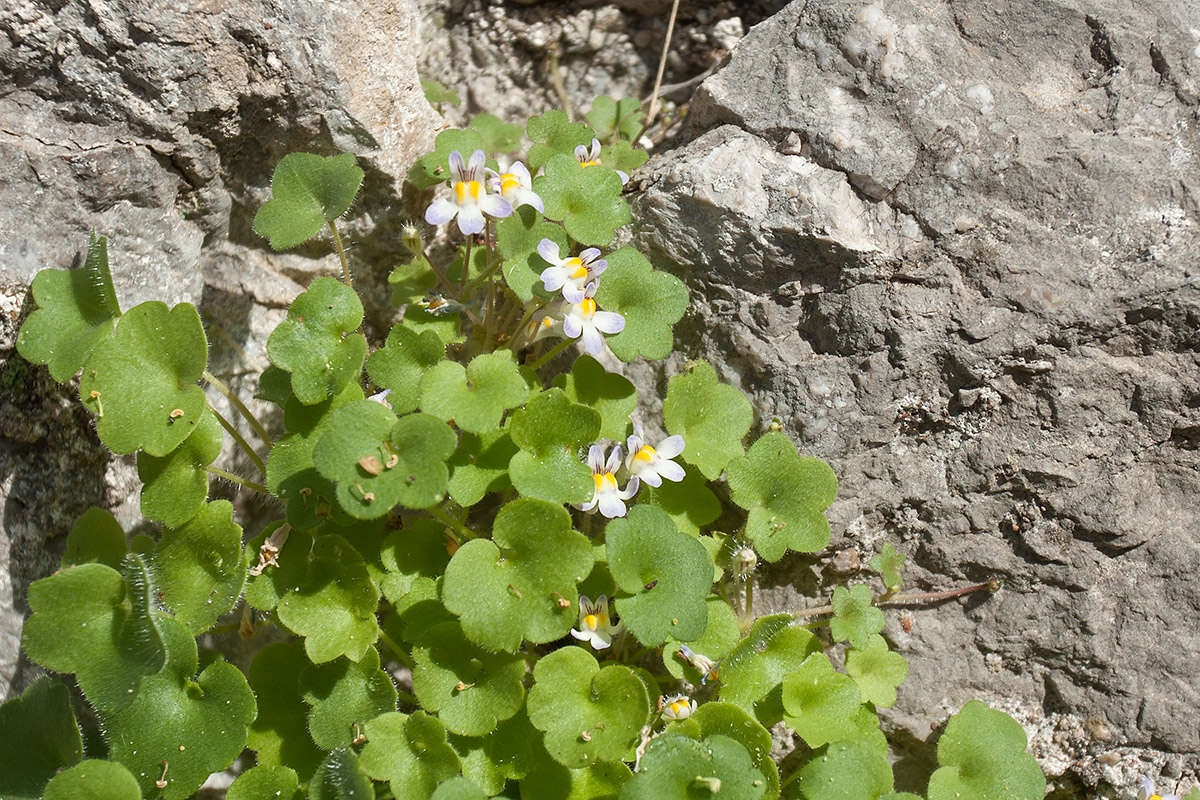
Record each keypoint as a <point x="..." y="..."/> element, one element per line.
<point x="518" y="335"/>
<point x="451" y="522"/>
<point x="236" y="402"/>
<point x="240" y="440"/>
<point x="905" y="599"/>
<point x="395" y="649"/>
<point x="466" y="269"/>
<point x="341" y="251"/>
<point x="229" y="476"/>
<point x="558" y="348"/>
<point x="437" y="271"/>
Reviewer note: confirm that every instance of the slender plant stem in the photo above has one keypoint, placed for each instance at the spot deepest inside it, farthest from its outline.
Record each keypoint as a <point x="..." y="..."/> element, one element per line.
<point x="341" y="251"/>
<point x="240" y="440"/>
<point x="662" y="65"/>
<point x="220" y="386"/>
<point x="905" y="599"/>
<point x="229" y="476"/>
<point x="446" y="519"/>
<point x="558" y="348"/>
<point x="405" y="697"/>
<point x="512" y="307"/>
<point x="518" y="335"/>
<point x="483" y="276"/>
<point x="556" y="81"/>
<point x="437" y="271"/>
<point x="489" y="316"/>
<point x="396" y="649"/>
<point x="748" y="610"/>
<point x="466" y="270"/>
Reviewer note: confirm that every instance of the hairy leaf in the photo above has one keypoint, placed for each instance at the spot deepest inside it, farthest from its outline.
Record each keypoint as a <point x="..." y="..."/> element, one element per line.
<point x="40" y="738"/>
<point x="587" y="201"/>
<point x="712" y="418"/>
<point x="752" y="673"/>
<point x="316" y="344"/>
<point x="344" y="696"/>
<point x="474" y="397"/>
<point x="650" y="300"/>
<point x="982" y="754"/>
<point x="307" y="191"/>
<point x="175" y="486"/>
<point x="550" y="429"/>
<point x="93" y="780"/>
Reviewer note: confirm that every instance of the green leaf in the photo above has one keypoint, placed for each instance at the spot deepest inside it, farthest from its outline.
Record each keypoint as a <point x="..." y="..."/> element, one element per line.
<point x="307" y="191"/>
<point x="344" y="696"/>
<point x="824" y="706"/>
<point x="786" y="495"/>
<point x="76" y="309"/>
<point x="95" y="538"/>
<point x="334" y="608"/>
<point x="474" y="397"/>
<point x="721" y="635"/>
<point x="40" y="738"/>
<point x="175" y="486"/>
<point x="491" y="689"/>
<point x="752" y="673"/>
<point x="651" y="302"/>
<point x="401" y="363"/>
<point x="480" y="465"/>
<point x="689" y="503"/>
<point x="982" y="754"/>
<point x="855" y="619"/>
<point x="83" y="622"/>
<point x="410" y="752"/>
<point x="609" y="116"/>
<point x="586" y="201"/>
<point x="418" y="551"/>
<point x="141" y="381"/>
<point x="256" y="783"/>
<point x="514" y="587"/>
<point x="679" y="768"/>
<point x="588" y="714"/>
<point x="608" y="393"/>
<point x="550" y="780"/>
<point x="200" y="567"/>
<point x="877" y="671"/>
<point x="315" y="342"/>
<point x="506" y="753"/>
<point x="549" y="430"/>
<point x="435" y="167"/>
<point x="291" y="475"/>
<point x="666" y="573"/>
<point x="197" y="725"/>
<point x="412" y="281"/>
<point x="498" y="136"/>
<point x="553" y="133"/>
<point x="378" y="461"/>
<point x="446" y="326"/>
<point x="340" y="778"/>
<point x="623" y="156"/>
<point x="93" y="780"/>
<point x="517" y="238"/>
<point x="275" y="386"/>
<point x="712" y="417"/>
<point x="436" y="93"/>
<point x="849" y="770"/>
<point x="459" y="788"/>
<point x="888" y="564"/>
<point x="726" y="719"/>
<point x="279" y="734"/>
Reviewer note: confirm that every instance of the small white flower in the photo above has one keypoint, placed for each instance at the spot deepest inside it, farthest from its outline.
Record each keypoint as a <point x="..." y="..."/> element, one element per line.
<point x="581" y="317"/>
<point x="608" y="498"/>
<point x="590" y="158"/>
<point x="575" y="271"/>
<point x="653" y="464"/>
<point x="516" y="186"/>
<point x="1147" y="791"/>
<point x="382" y="397"/>
<point x="595" y="625"/>
<point x="677" y="706"/>
<point x="703" y="664"/>
<point x="471" y="199"/>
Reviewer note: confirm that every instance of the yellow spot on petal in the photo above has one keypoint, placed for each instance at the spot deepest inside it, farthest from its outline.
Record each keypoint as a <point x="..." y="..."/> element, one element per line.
<point x="588" y="307"/>
<point x="646" y="454"/>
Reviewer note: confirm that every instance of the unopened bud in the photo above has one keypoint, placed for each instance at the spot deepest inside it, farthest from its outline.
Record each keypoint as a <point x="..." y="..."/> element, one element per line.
<point x="410" y="236"/>
<point x="745" y="560"/>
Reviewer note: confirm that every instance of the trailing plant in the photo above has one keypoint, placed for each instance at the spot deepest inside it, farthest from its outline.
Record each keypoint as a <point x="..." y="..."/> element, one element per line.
<point x="486" y="576"/>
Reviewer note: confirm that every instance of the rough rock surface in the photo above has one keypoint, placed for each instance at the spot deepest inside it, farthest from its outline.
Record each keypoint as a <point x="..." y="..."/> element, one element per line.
<point x="158" y="127"/>
<point x="952" y="248"/>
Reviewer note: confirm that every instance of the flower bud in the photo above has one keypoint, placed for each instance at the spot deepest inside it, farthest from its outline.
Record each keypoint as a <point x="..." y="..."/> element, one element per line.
<point x="410" y="236"/>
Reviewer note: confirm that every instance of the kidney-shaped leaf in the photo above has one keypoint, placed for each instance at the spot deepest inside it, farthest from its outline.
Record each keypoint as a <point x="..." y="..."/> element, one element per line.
<point x="712" y="417"/>
<point x="824" y="706"/>
<point x="93" y="780"/>
<point x="982" y="754"/>
<point x="200" y="567"/>
<point x="307" y="191"/>
<point x="752" y="673"/>
<point x="410" y="752"/>
<point x="315" y="342"/>
<point x="650" y="300"/>
<point x="678" y="768"/>
<point x="549" y="430"/>
<point x="475" y="397"/>
<point x="344" y="695"/>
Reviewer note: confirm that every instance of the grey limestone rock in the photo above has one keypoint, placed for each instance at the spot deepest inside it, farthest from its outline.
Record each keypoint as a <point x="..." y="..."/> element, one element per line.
<point x="952" y="248"/>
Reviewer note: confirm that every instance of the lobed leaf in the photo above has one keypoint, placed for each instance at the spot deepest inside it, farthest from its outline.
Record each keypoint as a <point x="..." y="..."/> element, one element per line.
<point x="650" y="300"/>
<point x="491" y="689"/>
<point x="141" y="381"/>
<point x="507" y="752"/>
<point x="175" y="486"/>
<point x="279" y="734"/>
<point x="498" y="136"/>
<point x="200" y="567"/>
<point x="786" y="495"/>
<point x="410" y="752"/>
<point x="665" y="576"/>
<point x="480" y="466"/>
<point x="446" y="326"/>
<point x="609" y="394"/>
<point x="720" y="636"/>
<point x="712" y="418"/>
<point x="587" y="201"/>
<point x="855" y="618"/>
<point x="550" y="429"/>
<point x="93" y="780"/>
<point x="436" y="93"/>
<point x="307" y="191"/>
<point x="847" y="770"/>
<point x="459" y="788"/>
<point x="689" y="503"/>
<point x="412" y="281"/>
<point x="434" y="168"/>
<point x="474" y="398"/>
<point x="75" y="310"/>
<point x="888" y="563"/>
<point x="726" y="719"/>
<point x="344" y="696"/>
<point x="279" y="783"/>
<point x="515" y="586"/>
<point x="623" y="156"/>
<point x="553" y="133"/>
<point x="679" y="768"/>
<point x="588" y="714"/>
<point x="40" y="737"/>
<point x="877" y="671"/>
<point x="95" y="538"/>
<point x="401" y="363"/>
<point x="415" y="553"/>
<point x="752" y="674"/>
<point x="824" y="706"/>
<point x="339" y="777"/>
<point x="549" y="779"/>
<point x="517" y="239"/>
<point x="609" y="116"/>
<point x="982" y="755"/>
<point x="316" y="344"/>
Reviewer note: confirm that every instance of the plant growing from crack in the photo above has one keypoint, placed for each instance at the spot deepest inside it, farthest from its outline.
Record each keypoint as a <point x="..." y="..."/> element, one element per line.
<point x="486" y="577"/>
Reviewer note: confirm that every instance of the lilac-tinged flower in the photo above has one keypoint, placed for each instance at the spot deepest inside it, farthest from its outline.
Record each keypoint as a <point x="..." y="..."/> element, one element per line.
<point x="516" y="186"/>
<point x="1147" y="792"/>
<point x="581" y="317"/>
<point x="595" y="625"/>
<point x="382" y="397"/>
<point x="590" y="158"/>
<point x="677" y="706"/>
<point x="653" y="464"/>
<point x="703" y="664"/>
<point x="575" y="271"/>
<point x="471" y="199"/>
<point x="608" y="498"/>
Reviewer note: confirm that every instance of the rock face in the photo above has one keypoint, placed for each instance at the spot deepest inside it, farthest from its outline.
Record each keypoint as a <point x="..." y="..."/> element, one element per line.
<point x="158" y="127"/>
<point x="952" y="248"/>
